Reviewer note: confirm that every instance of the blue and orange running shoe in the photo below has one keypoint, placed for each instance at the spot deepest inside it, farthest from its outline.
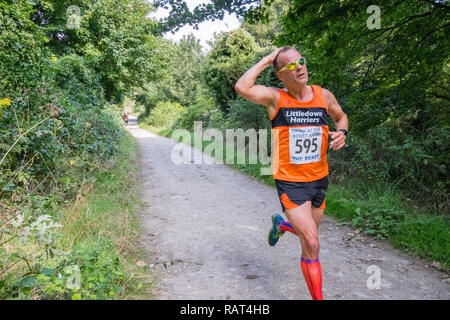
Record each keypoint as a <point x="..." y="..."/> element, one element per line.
<point x="275" y="233"/>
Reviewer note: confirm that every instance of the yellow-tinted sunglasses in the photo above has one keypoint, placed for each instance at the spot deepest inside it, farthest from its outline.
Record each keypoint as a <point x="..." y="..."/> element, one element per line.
<point x="293" y="65"/>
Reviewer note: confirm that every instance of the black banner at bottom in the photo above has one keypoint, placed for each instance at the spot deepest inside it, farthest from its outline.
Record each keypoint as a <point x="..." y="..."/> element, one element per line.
<point x="216" y="309"/>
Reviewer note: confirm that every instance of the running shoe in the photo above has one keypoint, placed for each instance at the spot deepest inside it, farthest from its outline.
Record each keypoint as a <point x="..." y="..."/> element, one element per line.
<point x="274" y="233"/>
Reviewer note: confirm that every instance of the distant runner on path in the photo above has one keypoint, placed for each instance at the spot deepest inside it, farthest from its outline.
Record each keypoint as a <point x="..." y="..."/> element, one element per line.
<point x="300" y="169"/>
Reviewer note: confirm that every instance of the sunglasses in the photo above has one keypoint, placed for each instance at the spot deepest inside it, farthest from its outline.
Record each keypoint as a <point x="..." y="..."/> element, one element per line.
<point x="293" y="65"/>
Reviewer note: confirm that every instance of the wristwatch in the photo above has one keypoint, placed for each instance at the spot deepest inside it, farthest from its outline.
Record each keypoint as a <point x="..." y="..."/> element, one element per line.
<point x="344" y="131"/>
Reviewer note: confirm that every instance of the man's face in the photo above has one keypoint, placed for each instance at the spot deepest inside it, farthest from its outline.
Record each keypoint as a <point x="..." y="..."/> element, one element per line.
<point x="298" y="76"/>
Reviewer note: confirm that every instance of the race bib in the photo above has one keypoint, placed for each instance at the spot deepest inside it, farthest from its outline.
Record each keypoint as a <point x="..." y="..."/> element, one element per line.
<point x="305" y="144"/>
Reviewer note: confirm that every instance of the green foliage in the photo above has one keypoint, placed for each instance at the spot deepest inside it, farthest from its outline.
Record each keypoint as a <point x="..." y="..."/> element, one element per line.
<point x="57" y="133"/>
<point x="116" y="37"/>
<point x="392" y="82"/>
<point x="266" y="27"/>
<point x="99" y="277"/>
<point x="53" y="80"/>
<point x="101" y="274"/>
<point x="377" y="220"/>
<point x="231" y="55"/>
<point x="215" y="9"/>
<point x="75" y="75"/>
<point x="23" y="56"/>
<point x="180" y="79"/>
<point x="45" y="248"/>
<point x="165" y="114"/>
<point x="377" y="209"/>
<point x="203" y="110"/>
<point x="426" y="236"/>
<point x="65" y="151"/>
<point x="183" y="84"/>
<point x="245" y="114"/>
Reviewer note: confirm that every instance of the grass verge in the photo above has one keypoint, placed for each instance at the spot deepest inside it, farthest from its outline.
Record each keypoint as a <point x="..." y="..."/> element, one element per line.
<point x="91" y="249"/>
<point x="103" y="230"/>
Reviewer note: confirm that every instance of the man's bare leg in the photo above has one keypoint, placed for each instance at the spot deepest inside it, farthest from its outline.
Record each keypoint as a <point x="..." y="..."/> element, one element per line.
<point x="317" y="214"/>
<point x="305" y="220"/>
<point x="305" y="226"/>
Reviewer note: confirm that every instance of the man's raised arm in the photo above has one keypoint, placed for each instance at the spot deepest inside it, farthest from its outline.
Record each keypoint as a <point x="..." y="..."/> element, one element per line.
<point x="258" y="94"/>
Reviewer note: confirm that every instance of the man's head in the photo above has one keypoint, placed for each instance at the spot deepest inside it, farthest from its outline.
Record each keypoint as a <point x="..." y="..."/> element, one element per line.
<point x="297" y="76"/>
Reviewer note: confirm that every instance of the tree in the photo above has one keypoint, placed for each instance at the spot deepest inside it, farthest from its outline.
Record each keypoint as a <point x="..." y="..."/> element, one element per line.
<point x="267" y="29"/>
<point x="231" y="55"/>
<point x="23" y="56"/>
<point x="115" y="37"/>
<point x="183" y="78"/>
<point x="409" y="53"/>
<point x="180" y="80"/>
<point x="215" y="10"/>
<point x="393" y="82"/>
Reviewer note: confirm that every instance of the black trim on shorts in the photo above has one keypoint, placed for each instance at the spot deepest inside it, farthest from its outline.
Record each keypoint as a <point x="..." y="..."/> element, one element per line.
<point x="300" y="192"/>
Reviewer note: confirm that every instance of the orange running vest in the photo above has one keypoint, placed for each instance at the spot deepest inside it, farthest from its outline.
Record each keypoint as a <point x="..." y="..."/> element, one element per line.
<point x="300" y="138"/>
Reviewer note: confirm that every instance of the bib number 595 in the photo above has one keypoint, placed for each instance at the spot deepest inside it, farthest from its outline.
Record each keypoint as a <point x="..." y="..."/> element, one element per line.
<point x="305" y="144"/>
<point x="308" y="144"/>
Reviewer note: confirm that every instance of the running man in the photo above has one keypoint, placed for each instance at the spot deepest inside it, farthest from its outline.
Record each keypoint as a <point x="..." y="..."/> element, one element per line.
<point x="300" y="169"/>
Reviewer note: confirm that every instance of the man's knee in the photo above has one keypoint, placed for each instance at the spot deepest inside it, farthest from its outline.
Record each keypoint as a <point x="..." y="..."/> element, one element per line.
<point x="313" y="243"/>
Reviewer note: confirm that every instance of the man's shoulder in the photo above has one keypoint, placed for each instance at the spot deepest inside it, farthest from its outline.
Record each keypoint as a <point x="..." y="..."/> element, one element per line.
<point x="325" y="91"/>
<point x="327" y="95"/>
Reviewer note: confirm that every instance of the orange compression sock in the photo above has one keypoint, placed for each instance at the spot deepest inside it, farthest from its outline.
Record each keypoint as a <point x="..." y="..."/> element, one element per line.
<point x="312" y="271"/>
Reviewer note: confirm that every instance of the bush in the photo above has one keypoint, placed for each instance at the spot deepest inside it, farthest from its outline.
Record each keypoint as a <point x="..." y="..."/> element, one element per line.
<point x="245" y="114"/>
<point x="377" y="220"/>
<point x="427" y="236"/>
<point x="203" y="110"/>
<point x="395" y="152"/>
<point x="76" y="77"/>
<point x="165" y="114"/>
<point x="23" y="56"/>
<point x="231" y="55"/>
<point x="57" y="134"/>
<point x="52" y="135"/>
<point x="92" y="272"/>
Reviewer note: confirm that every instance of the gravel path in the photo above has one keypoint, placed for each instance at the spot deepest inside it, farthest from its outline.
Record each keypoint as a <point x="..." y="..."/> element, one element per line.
<point x="206" y="231"/>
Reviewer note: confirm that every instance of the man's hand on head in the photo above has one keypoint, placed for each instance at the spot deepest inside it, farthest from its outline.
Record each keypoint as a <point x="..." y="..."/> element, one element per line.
<point x="258" y="94"/>
<point x="271" y="57"/>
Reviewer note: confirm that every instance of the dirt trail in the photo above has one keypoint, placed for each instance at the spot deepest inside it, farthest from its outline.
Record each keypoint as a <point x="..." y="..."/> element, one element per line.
<point x="206" y="230"/>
